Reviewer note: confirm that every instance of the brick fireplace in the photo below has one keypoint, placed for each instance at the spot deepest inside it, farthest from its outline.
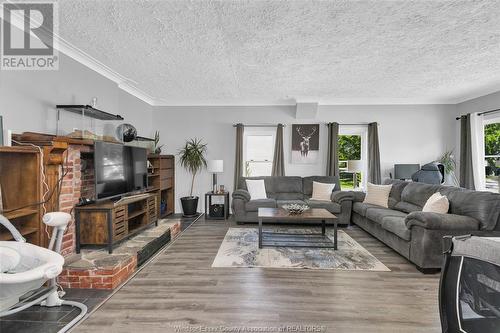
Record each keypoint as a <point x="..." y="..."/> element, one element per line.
<point x="78" y="182"/>
<point x="96" y="269"/>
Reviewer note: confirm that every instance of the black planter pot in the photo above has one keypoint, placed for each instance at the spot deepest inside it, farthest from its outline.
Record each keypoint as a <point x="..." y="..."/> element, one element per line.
<point x="189" y="206"/>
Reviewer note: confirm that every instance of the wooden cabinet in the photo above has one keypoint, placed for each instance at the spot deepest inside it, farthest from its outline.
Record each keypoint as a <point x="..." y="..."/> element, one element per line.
<point x="161" y="177"/>
<point x="21" y="192"/>
<point x="108" y="222"/>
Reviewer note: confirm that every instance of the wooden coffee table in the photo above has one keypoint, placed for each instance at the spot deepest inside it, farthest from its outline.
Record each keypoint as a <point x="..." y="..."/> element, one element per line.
<point x="314" y="240"/>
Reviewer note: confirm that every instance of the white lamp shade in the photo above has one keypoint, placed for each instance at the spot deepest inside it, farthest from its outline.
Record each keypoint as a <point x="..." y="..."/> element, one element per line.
<point x="354" y="166"/>
<point x="215" y="166"/>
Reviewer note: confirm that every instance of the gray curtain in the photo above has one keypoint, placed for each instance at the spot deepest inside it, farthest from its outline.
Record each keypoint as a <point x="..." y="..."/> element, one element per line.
<point x="238" y="160"/>
<point x="374" y="174"/>
<point x="466" y="173"/>
<point x="332" y="160"/>
<point x="279" y="154"/>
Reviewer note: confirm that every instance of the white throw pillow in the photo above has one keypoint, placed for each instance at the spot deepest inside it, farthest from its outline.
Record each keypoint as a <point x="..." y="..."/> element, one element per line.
<point x="437" y="203"/>
<point x="322" y="191"/>
<point x="256" y="188"/>
<point x="378" y="195"/>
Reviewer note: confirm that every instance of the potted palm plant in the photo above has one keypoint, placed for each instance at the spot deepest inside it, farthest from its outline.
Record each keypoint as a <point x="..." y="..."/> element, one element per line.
<point x="192" y="158"/>
<point x="449" y="163"/>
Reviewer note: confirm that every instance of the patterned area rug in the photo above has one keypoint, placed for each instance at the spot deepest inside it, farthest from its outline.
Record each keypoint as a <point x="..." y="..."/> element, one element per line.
<point x="240" y="249"/>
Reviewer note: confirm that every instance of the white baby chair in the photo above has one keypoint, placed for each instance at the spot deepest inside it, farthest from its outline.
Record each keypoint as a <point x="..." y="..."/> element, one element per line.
<point x="25" y="268"/>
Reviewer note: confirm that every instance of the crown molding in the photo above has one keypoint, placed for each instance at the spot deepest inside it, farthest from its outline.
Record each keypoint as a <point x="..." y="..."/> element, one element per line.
<point x="87" y="60"/>
<point x="321" y="102"/>
<point x="92" y="63"/>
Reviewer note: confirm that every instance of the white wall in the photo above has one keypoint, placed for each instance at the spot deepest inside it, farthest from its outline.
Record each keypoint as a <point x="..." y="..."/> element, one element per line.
<point x="408" y="134"/>
<point x="28" y="98"/>
<point x="483" y="103"/>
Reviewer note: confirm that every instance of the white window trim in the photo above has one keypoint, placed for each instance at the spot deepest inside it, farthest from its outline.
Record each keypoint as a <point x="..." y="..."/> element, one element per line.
<point x="490" y="119"/>
<point x="257" y="131"/>
<point x="361" y="130"/>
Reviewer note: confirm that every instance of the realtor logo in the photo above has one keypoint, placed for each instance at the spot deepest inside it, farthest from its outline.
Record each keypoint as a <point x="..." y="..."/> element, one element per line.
<point x="28" y="31"/>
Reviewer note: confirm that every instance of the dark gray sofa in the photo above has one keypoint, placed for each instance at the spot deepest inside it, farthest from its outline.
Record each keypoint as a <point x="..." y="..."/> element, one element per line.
<point x="418" y="235"/>
<point x="285" y="190"/>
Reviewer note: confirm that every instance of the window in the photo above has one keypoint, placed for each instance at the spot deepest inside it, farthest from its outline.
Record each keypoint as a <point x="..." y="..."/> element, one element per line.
<point x="352" y="156"/>
<point x="258" y="152"/>
<point x="492" y="154"/>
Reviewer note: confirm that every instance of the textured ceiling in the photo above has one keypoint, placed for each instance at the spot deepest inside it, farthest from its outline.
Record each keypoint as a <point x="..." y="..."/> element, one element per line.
<point x="270" y="52"/>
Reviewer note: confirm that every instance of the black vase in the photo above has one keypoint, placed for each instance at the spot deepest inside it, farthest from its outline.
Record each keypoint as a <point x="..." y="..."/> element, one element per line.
<point x="189" y="206"/>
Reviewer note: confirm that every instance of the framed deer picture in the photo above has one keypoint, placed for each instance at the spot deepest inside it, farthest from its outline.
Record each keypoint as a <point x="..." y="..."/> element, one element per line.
<point x="305" y="143"/>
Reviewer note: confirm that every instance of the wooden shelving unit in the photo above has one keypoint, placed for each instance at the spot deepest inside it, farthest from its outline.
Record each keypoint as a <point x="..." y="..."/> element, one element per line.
<point x="20" y="182"/>
<point x="161" y="179"/>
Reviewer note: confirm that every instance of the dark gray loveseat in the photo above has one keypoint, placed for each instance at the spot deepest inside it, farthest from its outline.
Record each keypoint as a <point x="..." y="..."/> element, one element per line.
<point x="418" y="235"/>
<point x="288" y="189"/>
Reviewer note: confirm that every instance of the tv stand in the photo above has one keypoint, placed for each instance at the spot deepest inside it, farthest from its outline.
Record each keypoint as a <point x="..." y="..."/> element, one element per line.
<point x="108" y="223"/>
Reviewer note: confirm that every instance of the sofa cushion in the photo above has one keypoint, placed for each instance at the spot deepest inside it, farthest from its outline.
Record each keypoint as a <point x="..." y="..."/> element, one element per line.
<point x="483" y="206"/>
<point x="396" y="190"/>
<point x="268" y="181"/>
<point x="288" y="184"/>
<point x="361" y="208"/>
<point x="287" y="196"/>
<point x="307" y="183"/>
<point x="254" y="205"/>
<point x="396" y="225"/>
<point x="418" y="193"/>
<point x="330" y="206"/>
<point x="407" y="207"/>
<point x="287" y="188"/>
<point x="377" y="214"/>
<point x="281" y="203"/>
<point x="279" y="187"/>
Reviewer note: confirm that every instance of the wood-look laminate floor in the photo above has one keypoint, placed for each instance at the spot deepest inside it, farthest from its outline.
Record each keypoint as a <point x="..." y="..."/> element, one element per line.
<point x="180" y="292"/>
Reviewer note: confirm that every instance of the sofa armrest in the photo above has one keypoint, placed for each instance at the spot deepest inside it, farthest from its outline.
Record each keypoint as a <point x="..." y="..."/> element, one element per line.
<point x="341" y="196"/>
<point x="437" y="221"/>
<point x="241" y="194"/>
<point x="358" y="196"/>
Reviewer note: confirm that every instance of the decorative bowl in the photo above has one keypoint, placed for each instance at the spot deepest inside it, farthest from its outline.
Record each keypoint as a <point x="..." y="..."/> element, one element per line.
<point x="295" y="209"/>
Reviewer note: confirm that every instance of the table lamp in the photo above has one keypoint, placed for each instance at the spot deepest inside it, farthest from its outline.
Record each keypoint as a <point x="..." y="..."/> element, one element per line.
<point x="215" y="167"/>
<point x="354" y="166"/>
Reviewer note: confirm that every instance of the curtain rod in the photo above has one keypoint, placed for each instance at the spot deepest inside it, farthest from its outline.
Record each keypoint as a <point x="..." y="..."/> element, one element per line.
<point x="352" y="124"/>
<point x="269" y="125"/>
<point x="480" y="113"/>
<point x="256" y="125"/>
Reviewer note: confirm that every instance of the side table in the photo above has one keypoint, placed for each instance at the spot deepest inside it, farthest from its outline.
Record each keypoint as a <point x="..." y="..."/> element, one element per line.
<point x="216" y="206"/>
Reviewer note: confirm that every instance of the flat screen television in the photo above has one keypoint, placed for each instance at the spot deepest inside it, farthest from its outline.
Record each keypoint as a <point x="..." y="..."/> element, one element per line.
<point x="119" y="169"/>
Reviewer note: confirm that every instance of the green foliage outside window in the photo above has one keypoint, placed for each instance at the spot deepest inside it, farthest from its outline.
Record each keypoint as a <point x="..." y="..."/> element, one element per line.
<point x="492" y="139"/>
<point x="492" y="147"/>
<point x="349" y="147"/>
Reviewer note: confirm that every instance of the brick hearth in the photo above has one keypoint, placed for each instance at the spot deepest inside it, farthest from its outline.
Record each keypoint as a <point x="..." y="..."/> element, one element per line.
<point x="97" y="269"/>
